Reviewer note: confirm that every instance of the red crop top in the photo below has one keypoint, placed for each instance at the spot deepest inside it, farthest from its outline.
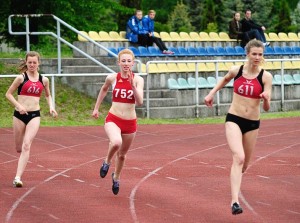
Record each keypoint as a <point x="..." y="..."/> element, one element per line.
<point x="122" y="90"/>
<point x="30" y="88"/>
<point x="250" y="88"/>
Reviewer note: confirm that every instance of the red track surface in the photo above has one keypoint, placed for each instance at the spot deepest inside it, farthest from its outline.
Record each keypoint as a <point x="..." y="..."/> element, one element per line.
<point x="173" y="173"/>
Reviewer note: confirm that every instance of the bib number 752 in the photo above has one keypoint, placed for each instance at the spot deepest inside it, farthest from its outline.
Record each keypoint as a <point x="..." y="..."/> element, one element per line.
<point x="123" y="93"/>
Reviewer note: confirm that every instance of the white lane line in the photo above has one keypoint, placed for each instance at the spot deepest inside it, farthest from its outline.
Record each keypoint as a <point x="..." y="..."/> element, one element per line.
<point x="4" y="192"/>
<point x="134" y="190"/>
<point x="177" y="215"/>
<point x="53" y="216"/>
<point x="287" y="182"/>
<point x="263" y="203"/>
<point x="221" y="167"/>
<point x="65" y="175"/>
<point x="150" y="205"/>
<point x="94" y="185"/>
<point x="36" y="208"/>
<point x="281" y="161"/>
<point x="171" y="178"/>
<point x="265" y="177"/>
<point x="293" y="212"/>
<point x="78" y="180"/>
<point x="203" y="163"/>
<point x="40" y="166"/>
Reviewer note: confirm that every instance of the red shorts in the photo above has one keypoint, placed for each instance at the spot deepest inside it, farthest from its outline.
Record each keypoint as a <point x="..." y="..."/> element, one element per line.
<point x="126" y="126"/>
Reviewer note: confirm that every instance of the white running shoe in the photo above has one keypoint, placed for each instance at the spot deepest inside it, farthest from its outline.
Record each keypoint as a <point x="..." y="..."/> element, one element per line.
<point x="17" y="182"/>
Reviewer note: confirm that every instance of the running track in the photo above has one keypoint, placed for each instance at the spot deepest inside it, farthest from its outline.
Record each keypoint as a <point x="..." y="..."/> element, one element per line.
<point x="174" y="173"/>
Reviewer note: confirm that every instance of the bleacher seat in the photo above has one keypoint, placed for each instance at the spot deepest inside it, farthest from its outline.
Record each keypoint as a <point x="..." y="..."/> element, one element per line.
<point x="296" y="78"/>
<point x="225" y="37"/>
<point x="193" y="51"/>
<point x="173" y="84"/>
<point x="151" y="69"/>
<point x="192" y="82"/>
<point x="211" y="51"/>
<point x="195" y="36"/>
<point x="201" y="51"/>
<point x="120" y="48"/>
<point x="104" y="36"/>
<point x="175" y="50"/>
<point x="183" y="84"/>
<point x="274" y="37"/>
<point x="204" y="36"/>
<point x="296" y="50"/>
<point x="214" y="36"/>
<point x="269" y="51"/>
<point x="293" y="37"/>
<point x="81" y="38"/>
<point x="155" y="51"/>
<point x="267" y="37"/>
<point x="202" y="67"/>
<point x="135" y="51"/>
<point x="94" y="35"/>
<point x="112" y="49"/>
<point x="211" y="67"/>
<point x="202" y="83"/>
<point x="211" y="81"/>
<point x="288" y="79"/>
<point x="288" y="65"/>
<point x="163" y="68"/>
<point x="156" y="34"/>
<point x="165" y="37"/>
<point x="175" y="37"/>
<point x="115" y="36"/>
<point x="185" y="36"/>
<point x="278" y="50"/>
<point x="182" y="51"/>
<point x="182" y="67"/>
<point x="296" y="64"/>
<point x="229" y="65"/>
<point x="230" y="51"/>
<point x="172" y="67"/>
<point x="283" y="37"/>
<point x="122" y="34"/>
<point x="287" y="50"/>
<point x="221" y="66"/>
<point x="240" y="51"/>
<point x="276" y="79"/>
<point x="144" y="52"/>
<point x="221" y="51"/>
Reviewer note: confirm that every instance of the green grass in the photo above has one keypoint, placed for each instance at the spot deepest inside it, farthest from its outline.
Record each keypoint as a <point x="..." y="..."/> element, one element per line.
<point x="75" y="108"/>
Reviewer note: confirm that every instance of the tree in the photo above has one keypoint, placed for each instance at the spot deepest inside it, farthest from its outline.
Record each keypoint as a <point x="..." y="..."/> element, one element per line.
<point x="284" y="24"/>
<point x="179" y="20"/>
<point x="296" y="18"/>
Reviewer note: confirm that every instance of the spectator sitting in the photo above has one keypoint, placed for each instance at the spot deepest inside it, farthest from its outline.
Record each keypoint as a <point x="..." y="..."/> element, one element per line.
<point x="235" y="31"/>
<point x="148" y="24"/>
<point x="248" y="24"/>
<point x="135" y="32"/>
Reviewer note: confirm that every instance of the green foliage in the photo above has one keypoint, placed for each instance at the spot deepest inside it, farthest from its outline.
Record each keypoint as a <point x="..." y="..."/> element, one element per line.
<point x="211" y="27"/>
<point x="179" y="19"/>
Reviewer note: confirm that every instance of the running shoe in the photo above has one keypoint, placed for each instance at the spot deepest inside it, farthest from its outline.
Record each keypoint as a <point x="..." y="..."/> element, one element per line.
<point x="17" y="182"/>
<point x="236" y="209"/>
<point x="104" y="169"/>
<point x="115" y="185"/>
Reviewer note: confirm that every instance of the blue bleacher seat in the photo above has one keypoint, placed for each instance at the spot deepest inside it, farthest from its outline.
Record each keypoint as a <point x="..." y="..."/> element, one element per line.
<point x="155" y="51"/>
<point x="269" y="51"/>
<point x="144" y="52"/>
<point x="112" y="49"/>
<point x="296" y="50"/>
<point x="287" y="50"/>
<point x="172" y="84"/>
<point x="201" y="51"/>
<point x="230" y="51"/>
<point x="221" y="51"/>
<point x="182" y="51"/>
<point x="193" y="51"/>
<point x="278" y="50"/>
<point x="183" y="84"/>
<point x="277" y="80"/>
<point x="211" y="51"/>
<point x="121" y="48"/>
<point x="175" y="50"/>
<point x="240" y="50"/>
<point x="135" y="51"/>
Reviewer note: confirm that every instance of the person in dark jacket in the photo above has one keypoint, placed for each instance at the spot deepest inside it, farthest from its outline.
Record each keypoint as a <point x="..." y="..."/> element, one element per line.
<point x="135" y="31"/>
<point x="148" y="24"/>
<point x="236" y="31"/>
<point x="248" y="24"/>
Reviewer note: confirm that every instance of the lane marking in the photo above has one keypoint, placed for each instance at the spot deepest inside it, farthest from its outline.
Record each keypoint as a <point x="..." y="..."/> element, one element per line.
<point x="171" y="178"/>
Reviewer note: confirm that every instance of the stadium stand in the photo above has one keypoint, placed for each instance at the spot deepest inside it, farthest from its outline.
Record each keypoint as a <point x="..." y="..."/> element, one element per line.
<point x="163" y="68"/>
<point x="224" y="37"/>
<point x="288" y="79"/>
<point x="135" y="51"/>
<point x="165" y="37"/>
<point x="204" y="36"/>
<point x="240" y="51"/>
<point x="81" y="38"/>
<point x="104" y="36"/>
<point x="172" y="67"/>
<point x="296" y="78"/>
<point x="284" y="37"/>
<point x="193" y="51"/>
<point x="287" y="50"/>
<point x="296" y="50"/>
<point x="144" y="52"/>
<point x="274" y="37"/>
<point x="278" y="50"/>
<point x="173" y="84"/>
<point x="211" y="81"/>
<point x="155" y="51"/>
<point x="192" y="82"/>
<point x="183" y="84"/>
<point x="115" y="36"/>
<point x="201" y="51"/>
<point x="195" y="36"/>
<point x="220" y="51"/>
<point x="175" y="37"/>
<point x="182" y="51"/>
<point x="269" y="51"/>
<point x="202" y="83"/>
<point x="182" y="67"/>
<point x="114" y="50"/>
<point x="94" y="35"/>
<point x="293" y="37"/>
<point x="185" y="36"/>
<point x="214" y="36"/>
<point x="230" y="51"/>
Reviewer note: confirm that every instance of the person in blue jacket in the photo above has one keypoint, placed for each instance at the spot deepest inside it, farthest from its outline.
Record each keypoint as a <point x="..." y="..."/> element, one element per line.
<point x="135" y="31"/>
<point x="148" y="24"/>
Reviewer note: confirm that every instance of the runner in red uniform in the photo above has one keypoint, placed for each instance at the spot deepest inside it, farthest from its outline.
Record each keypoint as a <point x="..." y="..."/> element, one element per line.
<point x="26" y="120"/>
<point x="120" y="123"/>
<point x="251" y="85"/>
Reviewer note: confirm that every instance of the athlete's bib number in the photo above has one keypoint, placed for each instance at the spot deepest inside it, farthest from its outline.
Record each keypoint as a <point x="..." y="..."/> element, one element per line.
<point x="33" y="90"/>
<point x="122" y="93"/>
<point x="246" y="89"/>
